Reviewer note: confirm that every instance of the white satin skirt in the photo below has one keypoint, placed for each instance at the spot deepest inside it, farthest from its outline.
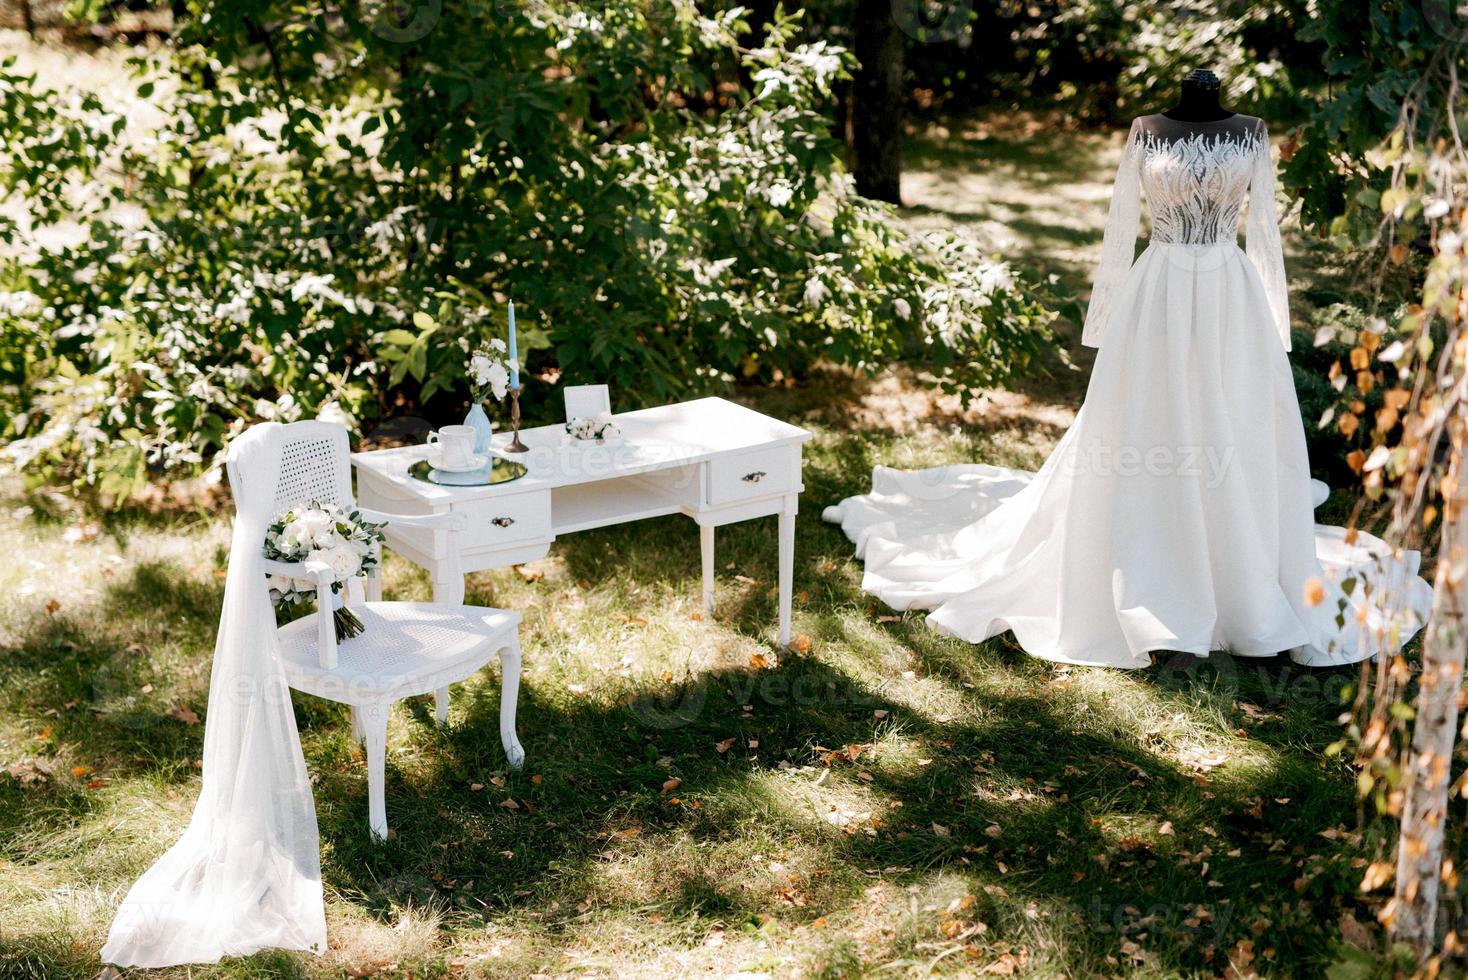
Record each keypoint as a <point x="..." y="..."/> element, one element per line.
<point x="1174" y="515"/>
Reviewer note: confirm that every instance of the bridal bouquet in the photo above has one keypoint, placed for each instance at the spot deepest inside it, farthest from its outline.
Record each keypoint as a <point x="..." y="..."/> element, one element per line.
<point x="599" y="427"/>
<point x="324" y="533"/>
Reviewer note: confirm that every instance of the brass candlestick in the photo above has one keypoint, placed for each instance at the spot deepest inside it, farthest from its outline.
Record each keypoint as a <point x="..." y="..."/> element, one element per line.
<point x="515" y="445"/>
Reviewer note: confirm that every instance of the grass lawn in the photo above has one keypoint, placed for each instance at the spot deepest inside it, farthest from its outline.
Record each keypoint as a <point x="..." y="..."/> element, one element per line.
<point x="880" y="801"/>
<point x="886" y="798"/>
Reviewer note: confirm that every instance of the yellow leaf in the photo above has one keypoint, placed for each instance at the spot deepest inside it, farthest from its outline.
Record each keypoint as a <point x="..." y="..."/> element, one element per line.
<point x="1377" y="874"/>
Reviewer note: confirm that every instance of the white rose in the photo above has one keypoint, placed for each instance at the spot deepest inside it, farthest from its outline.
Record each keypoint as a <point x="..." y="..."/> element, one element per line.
<point x="344" y="562"/>
<point x="499" y="379"/>
<point x="479" y="367"/>
<point x="312" y="524"/>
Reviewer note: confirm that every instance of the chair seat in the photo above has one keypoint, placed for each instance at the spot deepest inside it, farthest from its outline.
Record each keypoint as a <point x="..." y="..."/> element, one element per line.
<point x="407" y="648"/>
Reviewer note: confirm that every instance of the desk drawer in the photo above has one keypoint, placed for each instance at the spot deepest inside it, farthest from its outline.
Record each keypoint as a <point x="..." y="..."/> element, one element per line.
<point x="506" y="520"/>
<point x="759" y="473"/>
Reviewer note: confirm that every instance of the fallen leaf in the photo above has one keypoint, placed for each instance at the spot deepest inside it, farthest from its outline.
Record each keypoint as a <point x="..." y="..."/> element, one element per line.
<point x="530" y="574"/>
<point x="801" y="644"/>
<point x="724" y="746"/>
<point x="78" y="772"/>
<point x="1377" y="874"/>
<point x="671" y="785"/>
<point x="184" y="714"/>
<point x="51" y="606"/>
<point x="940" y="830"/>
<point x="509" y="804"/>
<point x="475" y="787"/>
<point x="759" y="662"/>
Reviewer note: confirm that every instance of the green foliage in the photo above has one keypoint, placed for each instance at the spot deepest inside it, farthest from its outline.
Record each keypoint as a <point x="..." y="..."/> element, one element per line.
<point x="1342" y="159"/>
<point x="320" y="212"/>
<point x="1102" y="60"/>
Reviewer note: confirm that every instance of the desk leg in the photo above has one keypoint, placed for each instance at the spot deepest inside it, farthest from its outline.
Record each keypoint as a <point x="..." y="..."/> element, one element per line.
<point x="706" y="543"/>
<point x="787" y="564"/>
<point x="448" y="586"/>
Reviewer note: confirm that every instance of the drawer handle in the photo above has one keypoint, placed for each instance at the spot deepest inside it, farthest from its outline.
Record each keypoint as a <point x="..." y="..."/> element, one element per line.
<point x="754" y="477"/>
<point x="502" y="521"/>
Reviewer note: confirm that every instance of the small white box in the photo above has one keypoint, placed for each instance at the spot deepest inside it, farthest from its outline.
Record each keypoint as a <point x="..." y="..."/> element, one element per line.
<point x="587" y="401"/>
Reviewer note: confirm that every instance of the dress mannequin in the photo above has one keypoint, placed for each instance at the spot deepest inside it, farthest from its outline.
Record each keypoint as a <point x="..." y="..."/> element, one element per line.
<point x="1199" y="102"/>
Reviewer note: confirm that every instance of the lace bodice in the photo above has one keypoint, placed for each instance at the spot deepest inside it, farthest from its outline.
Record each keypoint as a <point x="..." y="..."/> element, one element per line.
<point x="1197" y="176"/>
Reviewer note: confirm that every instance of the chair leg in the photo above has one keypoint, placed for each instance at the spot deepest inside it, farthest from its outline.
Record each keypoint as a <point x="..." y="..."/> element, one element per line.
<point x="359" y="733"/>
<point x="509" y="698"/>
<point x="441" y="705"/>
<point x="374" y="721"/>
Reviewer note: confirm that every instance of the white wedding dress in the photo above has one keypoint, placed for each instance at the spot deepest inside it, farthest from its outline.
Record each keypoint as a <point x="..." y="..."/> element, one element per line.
<point x="1175" y="514"/>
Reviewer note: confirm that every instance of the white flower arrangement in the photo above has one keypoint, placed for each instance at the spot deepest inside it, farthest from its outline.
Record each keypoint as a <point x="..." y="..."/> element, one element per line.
<point x="600" y="428"/>
<point x="488" y="370"/>
<point x="324" y="533"/>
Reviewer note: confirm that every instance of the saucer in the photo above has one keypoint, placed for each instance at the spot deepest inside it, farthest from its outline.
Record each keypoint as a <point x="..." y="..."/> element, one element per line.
<point x="477" y="461"/>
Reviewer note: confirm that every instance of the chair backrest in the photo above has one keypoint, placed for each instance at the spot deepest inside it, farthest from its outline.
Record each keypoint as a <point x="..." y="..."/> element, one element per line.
<point x="315" y="464"/>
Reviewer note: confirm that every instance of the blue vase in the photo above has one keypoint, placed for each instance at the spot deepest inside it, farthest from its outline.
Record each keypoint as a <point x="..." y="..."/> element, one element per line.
<point x="483" y="429"/>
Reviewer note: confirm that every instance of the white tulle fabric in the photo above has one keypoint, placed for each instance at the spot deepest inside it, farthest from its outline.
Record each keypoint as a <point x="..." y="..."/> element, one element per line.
<point x="1175" y="514"/>
<point x="246" y="874"/>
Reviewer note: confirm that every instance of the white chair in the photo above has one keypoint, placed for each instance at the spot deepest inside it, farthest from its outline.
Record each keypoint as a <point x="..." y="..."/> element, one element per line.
<point x="407" y="648"/>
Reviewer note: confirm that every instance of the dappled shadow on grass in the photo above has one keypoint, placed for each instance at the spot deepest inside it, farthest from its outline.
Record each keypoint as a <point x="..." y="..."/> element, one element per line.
<point x="1044" y="159"/>
<point x="599" y="802"/>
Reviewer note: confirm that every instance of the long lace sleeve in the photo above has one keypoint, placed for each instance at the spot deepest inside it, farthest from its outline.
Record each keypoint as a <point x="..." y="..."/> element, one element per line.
<point x="1261" y="237"/>
<point x="1120" y="244"/>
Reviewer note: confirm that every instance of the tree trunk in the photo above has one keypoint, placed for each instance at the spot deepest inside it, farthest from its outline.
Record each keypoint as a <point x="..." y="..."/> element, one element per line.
<point x="1413" y="918"/>
<point x="877" y="101"/>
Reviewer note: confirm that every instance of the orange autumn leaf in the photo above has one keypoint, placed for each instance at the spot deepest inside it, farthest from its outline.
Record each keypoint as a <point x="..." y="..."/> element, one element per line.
<point x="1314" y="592"/>
<point x="1348" y="424"/>
<point x="801" y="644"/>
<point x="671" y="785"/>
<point x="1377" y="874"/>
<point x="759" y="662"/>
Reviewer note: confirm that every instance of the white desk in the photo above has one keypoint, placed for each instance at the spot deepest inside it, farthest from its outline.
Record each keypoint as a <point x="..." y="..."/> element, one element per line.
<point x="713" y="460"/>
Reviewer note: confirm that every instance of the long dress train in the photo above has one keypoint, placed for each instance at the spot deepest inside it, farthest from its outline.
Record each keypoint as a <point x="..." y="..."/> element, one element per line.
<point x="1176" y="513"/>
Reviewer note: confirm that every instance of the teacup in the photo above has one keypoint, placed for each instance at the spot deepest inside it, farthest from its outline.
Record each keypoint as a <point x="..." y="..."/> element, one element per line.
<point x="455" y="446"/>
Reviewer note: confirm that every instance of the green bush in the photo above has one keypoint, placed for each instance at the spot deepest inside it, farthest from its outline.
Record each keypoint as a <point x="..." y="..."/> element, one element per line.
<point x="318" y="211"/>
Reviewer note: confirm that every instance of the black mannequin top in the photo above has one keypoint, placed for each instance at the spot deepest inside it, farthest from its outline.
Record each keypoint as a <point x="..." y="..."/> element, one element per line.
<point x="1199" y="102"/>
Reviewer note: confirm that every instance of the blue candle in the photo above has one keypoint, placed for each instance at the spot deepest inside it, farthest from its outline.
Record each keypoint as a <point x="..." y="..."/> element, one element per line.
<point x="514" y="352"/>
